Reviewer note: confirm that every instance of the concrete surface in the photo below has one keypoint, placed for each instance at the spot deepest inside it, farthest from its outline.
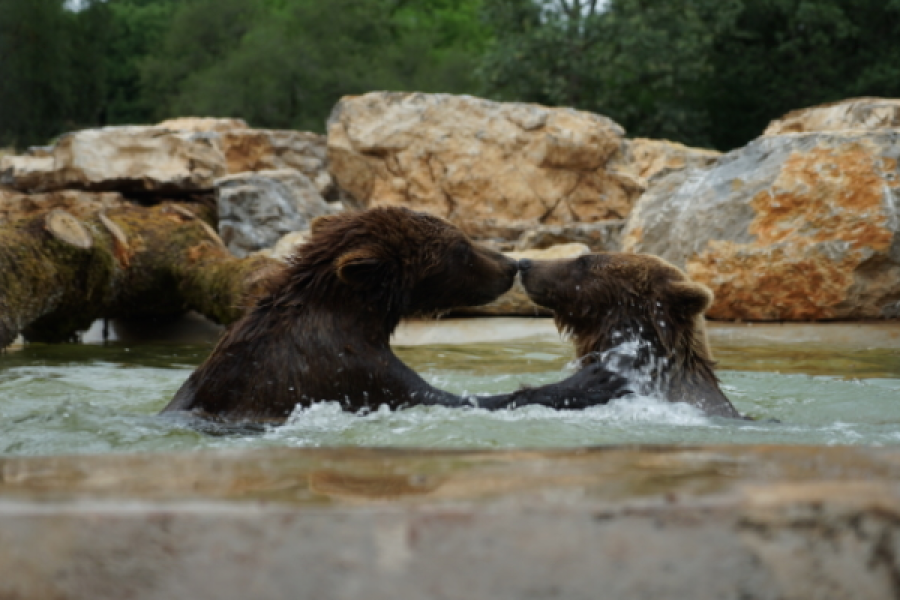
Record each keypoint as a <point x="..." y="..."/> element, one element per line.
<point x="194" y="329"/>
<point x="713" y="522"/>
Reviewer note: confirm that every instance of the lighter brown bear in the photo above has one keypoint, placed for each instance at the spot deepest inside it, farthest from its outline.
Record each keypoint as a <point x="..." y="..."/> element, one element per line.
<point x="614" y="301"/>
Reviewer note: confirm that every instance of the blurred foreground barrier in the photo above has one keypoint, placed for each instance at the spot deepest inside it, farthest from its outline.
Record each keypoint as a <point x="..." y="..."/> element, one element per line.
<point x="709" y="522"/>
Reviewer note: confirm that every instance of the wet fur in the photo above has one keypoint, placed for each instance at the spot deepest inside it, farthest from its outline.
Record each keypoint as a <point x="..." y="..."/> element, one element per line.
<point x="322" y="330"/>
<point x="605" y="299"/>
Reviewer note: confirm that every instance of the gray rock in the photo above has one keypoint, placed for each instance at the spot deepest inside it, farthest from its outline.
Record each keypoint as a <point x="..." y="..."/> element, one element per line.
<point x="799" y="226"/>
<point x="257" y="209"/>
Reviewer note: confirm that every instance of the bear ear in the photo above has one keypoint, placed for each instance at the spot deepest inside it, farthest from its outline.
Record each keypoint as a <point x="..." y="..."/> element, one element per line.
<point x="361" y="266"/>
<point x="689" y="298"/>
<point x="318" y="222"/>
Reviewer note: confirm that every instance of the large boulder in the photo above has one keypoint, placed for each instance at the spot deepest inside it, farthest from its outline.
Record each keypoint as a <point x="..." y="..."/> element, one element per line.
<point x="641" y="160"/>
<point x="790" y="227"/>
<point x="129" y="159"/>
<point x="644" y="159"/>
<point x="270" y="149"/>
<point x="182" y="155"/>
<point x="247" y="149"/>
<point x="494" y="169"/>
<point x="856" y="113"/>
<point x="256" y="209"/>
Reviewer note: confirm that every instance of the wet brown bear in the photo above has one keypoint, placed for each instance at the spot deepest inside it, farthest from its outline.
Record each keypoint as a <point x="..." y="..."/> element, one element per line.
<point x="636" y="311"/>
<point x="322" y="333"/>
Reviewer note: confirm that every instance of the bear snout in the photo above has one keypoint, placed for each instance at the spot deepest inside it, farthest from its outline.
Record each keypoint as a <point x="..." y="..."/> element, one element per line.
<point x="525" y="264"/>
<point x="510" y="268"/>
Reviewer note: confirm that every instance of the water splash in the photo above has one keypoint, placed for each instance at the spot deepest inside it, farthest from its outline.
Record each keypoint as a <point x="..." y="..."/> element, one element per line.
<point x="636" y="360"/>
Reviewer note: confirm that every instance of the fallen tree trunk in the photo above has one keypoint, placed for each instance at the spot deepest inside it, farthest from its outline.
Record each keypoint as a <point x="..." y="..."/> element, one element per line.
<point x="59" y="273"/>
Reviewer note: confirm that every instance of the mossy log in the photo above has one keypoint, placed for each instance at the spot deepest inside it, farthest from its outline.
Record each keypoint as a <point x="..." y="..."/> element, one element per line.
<point x="59" y="273"/>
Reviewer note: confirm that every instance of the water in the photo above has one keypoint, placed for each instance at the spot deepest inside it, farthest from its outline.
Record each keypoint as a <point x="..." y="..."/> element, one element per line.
<point x="74" y="399"/>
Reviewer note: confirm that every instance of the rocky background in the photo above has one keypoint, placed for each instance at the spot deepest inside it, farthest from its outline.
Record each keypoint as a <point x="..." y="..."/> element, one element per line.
<point x="800" y="224"/>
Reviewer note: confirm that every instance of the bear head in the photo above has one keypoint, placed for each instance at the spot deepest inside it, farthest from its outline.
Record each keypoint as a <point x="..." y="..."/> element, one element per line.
<point x="639" y="314"/>
<point x="399" y="261"/>
<point x="602" y="298"/>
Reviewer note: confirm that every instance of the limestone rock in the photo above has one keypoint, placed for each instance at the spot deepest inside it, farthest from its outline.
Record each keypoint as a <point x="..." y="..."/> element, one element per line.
<point x="128" y="158"/>
<point x="268" y="149"/>
<point x="15" y="206"/>
<point x="256" y="209"/>
<point x="516" y="300"/>
<point x="247" y="149"/>
<point x="602" y="236"/>
<point x="478" y="163"/>
<point x="643" y="159"/>
<point x="203" y="124"/>
<point x="856" y="113"/>
<point x="790" y="227"/>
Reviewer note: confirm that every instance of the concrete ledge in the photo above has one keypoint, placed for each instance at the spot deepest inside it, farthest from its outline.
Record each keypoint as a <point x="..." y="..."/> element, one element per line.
<point x="880" y="334"/>
<point x="193" y="328"/>
<point x="722" y="522"/>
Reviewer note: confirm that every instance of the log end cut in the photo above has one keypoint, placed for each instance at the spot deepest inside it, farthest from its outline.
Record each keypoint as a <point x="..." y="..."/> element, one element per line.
<point x="68" y="229"/>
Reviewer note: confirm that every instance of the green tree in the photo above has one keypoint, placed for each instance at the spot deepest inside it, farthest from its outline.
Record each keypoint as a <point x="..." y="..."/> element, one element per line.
<point x="781" y="55"/>
<point x="136" y="29"/>
<point x="51" y="68"/>
<point x="640" y="62"/>
<point x="285" y="63"/>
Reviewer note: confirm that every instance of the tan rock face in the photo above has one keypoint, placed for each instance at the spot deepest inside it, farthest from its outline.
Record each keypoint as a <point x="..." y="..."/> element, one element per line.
<point x="602" y="236"/>
<point x="485" y="166"/>
<point x="247" y="149"/>
<point x="855" y="113"/>
<point x="795" y="227"/>
<point x="269" y="149"/>
<point x="179" y="155"/>
<point x="643" y="159"/>
<point x="130" y="158"/>
<point x="203" y="124"/>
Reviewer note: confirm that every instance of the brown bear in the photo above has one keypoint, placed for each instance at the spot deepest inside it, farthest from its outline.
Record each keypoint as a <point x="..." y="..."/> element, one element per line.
<point x="637" y="312"/>
<point x="322" y="331"/>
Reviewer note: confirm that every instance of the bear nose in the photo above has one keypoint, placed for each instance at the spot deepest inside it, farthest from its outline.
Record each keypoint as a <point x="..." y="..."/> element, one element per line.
<point x="525" y="264"/>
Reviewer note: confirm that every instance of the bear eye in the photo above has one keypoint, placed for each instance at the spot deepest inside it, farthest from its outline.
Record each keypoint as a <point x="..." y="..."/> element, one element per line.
<point x="461" y="250"/>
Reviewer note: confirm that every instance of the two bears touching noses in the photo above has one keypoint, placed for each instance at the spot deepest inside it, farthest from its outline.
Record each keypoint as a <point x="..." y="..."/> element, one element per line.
<point x="321" y="329"/>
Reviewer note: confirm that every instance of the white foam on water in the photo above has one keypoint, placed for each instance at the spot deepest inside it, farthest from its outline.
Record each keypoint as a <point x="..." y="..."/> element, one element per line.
<point x="110" y="405"/>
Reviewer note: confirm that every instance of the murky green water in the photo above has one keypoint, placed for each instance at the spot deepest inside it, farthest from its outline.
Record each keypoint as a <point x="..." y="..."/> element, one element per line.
<point x="67" y="399"/>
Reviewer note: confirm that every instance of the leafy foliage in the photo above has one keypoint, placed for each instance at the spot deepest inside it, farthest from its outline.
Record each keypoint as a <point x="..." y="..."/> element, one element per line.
<point x="780" y="55"/>
<point x="285" y="64"/>
<point x="51" y="68"/>
<point x="703" y="72"/>
<point x="135" y="31"/>
<point x="641" y="62"/>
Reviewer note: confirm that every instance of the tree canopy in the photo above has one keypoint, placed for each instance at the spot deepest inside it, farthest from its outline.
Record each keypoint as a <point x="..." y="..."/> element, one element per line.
<point x="703" y="72"/>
